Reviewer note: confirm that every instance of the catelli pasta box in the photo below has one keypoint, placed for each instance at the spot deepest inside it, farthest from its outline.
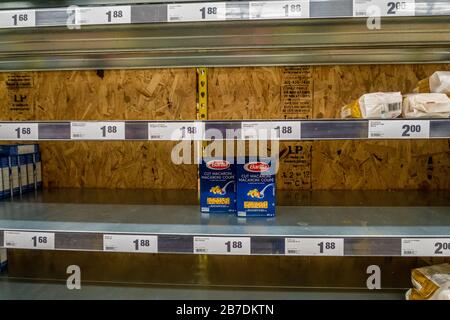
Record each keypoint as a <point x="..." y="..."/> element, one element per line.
<point x="256" y="187"/>
<point x="217" y="186"/>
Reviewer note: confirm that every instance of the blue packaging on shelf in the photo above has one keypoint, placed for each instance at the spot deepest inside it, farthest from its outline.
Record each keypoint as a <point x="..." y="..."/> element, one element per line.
<point x="217" y="186"/>
<point x="3" y="260"/>
<point x="14" y="173"/>
<point x="2" y="190"/>
<point x="30" y="172"/>
<point x="38" y="170"/>
<point x="23" y="175"/>
<point x="256" y="187"/>
<point x="18" y="149"/>
<point x="5" y="177"/>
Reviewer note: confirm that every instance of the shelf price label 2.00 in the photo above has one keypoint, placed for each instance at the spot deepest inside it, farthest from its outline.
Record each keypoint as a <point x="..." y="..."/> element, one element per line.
<point x="278" y="9"/>
<point x="176" y="131"/>
<point x="130" y="243"/>
<point x="417" y="247"/>
<point x="19" y="131"/>
<point x="29" y="240"/>
<point x="383" y="8"/>
<point x="97" y="130"/>
<point x="399" y="129"/>
<point x="271" y="130"/>
<point x="222" y="245"/>
<point x="17" y="18"/>
<point x="314" y="247"/>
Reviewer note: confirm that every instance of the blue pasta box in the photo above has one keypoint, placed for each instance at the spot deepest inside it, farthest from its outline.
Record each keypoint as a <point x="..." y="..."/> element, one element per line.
<point x="14" y="173"/>
<point x="5" y="176"/>
<point x="18" y="149"/>
<point x="2" y="187"/>
<point x="31" y="175"/>
<point x="217" y="185"/>
<point x="38" y="170"/>
<point x="256" y="187"/>
<point x="23" y="175"/>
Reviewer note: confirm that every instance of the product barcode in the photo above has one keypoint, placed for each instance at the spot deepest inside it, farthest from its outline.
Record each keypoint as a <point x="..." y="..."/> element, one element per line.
<point x="293" y="251"/>
<point x="77" y="135"/>
<point x="409" y="252"/>
<point x="110" y="248"/>
<point x="155" y="137"/>
<point x="375" y="134"/>
<point x="175" y="19"/>
<point x="200" y="250"/>
<point x="394" y="106"/>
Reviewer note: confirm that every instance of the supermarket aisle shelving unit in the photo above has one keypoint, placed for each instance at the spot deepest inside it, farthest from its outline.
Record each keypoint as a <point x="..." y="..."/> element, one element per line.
<point x="96" y="36"/>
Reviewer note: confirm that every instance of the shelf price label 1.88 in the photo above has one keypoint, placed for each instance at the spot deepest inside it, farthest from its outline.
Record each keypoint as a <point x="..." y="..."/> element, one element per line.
<point x="17" y="18"/>
<point x="176" y="130"/>
<point x="29" y="240"/>
<point x="399" y="129"/>
<point x="97" y="130"/>
<point x="222" y="245"/>
<point x="271" y="130"/>
<point x="278" y="9"/>
<point x="314" y="246"/>
<point x="417" y="247"/>
<point x="204" y="11"/>
<point x="383" y="8"/>
<point x="130" y="243"/>
<point x="103" y="15"/>
<point x="19" y="131"/>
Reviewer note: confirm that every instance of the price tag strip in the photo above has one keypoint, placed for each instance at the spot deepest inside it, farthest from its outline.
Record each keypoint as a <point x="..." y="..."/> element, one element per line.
<point x="383" y="8"/>
<point x="97" y="130"/>
<point x="103" y="15"/>
<point x="314" y="247"/>
<point x="417" y="247"/>
<point x="130" y="243"/>
<point x="29" y="240"/>
<point x="206" y="11"/>
<point x="19" y="131"/>
<point x="176" y="130"/>
<point x="399" y="129"/>
<point x="222" y="245"/>
<point x="271" y="130"/>
<point x="17" y="18"/>
<point x="279" y="9"/>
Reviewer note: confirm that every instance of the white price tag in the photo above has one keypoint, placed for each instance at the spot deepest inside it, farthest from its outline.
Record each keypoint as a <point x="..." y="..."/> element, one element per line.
<point x="130" y="243"/>
<point x="19" y="131"/>
<point x="97" y="130"/>
<point x="29" y="240"/>
<point x="176" y="130"/>
<point x="271" y="130"/>
<point x="17" y="19"/>
<point x="426" y="247"/>
<point x="383" y="8"/>
<point x="314" y="247"/>
<point x="399" y="129"/>
<point x="222" y="245"/>
<point x="279" y="9"/>
<point x="205" y="11"/>
<point x="103" y="15"/>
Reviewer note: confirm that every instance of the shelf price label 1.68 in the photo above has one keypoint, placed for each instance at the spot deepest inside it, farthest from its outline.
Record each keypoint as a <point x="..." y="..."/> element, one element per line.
<point x="399" y="129"/>
<point x="205" y="11"/>
<point x="103" y="15"/>
<point x="417" y="247"/>
<point x="176" y="131"/>
<point x="130" y="243"/>
<point x="222" y="245"/>
<point x="97" y="130"/>
<point x="17" y="19"/>
<point x="29" y="240"/>
<point x="383" y="8"/>
<point x="271" y="130"/>
<point x="314" y="246"/>
<point x="19" y="131"/>
<point x="279" y="9"/>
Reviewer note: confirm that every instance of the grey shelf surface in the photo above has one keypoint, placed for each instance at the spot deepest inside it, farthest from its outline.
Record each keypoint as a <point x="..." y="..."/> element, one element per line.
<point x="367" y="226"/>
<point x="11" y="288"/>
<point x="323" y="129"/>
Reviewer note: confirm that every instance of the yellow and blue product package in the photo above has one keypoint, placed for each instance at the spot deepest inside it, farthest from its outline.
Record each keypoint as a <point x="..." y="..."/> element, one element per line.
<point x="217" y="185"/>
